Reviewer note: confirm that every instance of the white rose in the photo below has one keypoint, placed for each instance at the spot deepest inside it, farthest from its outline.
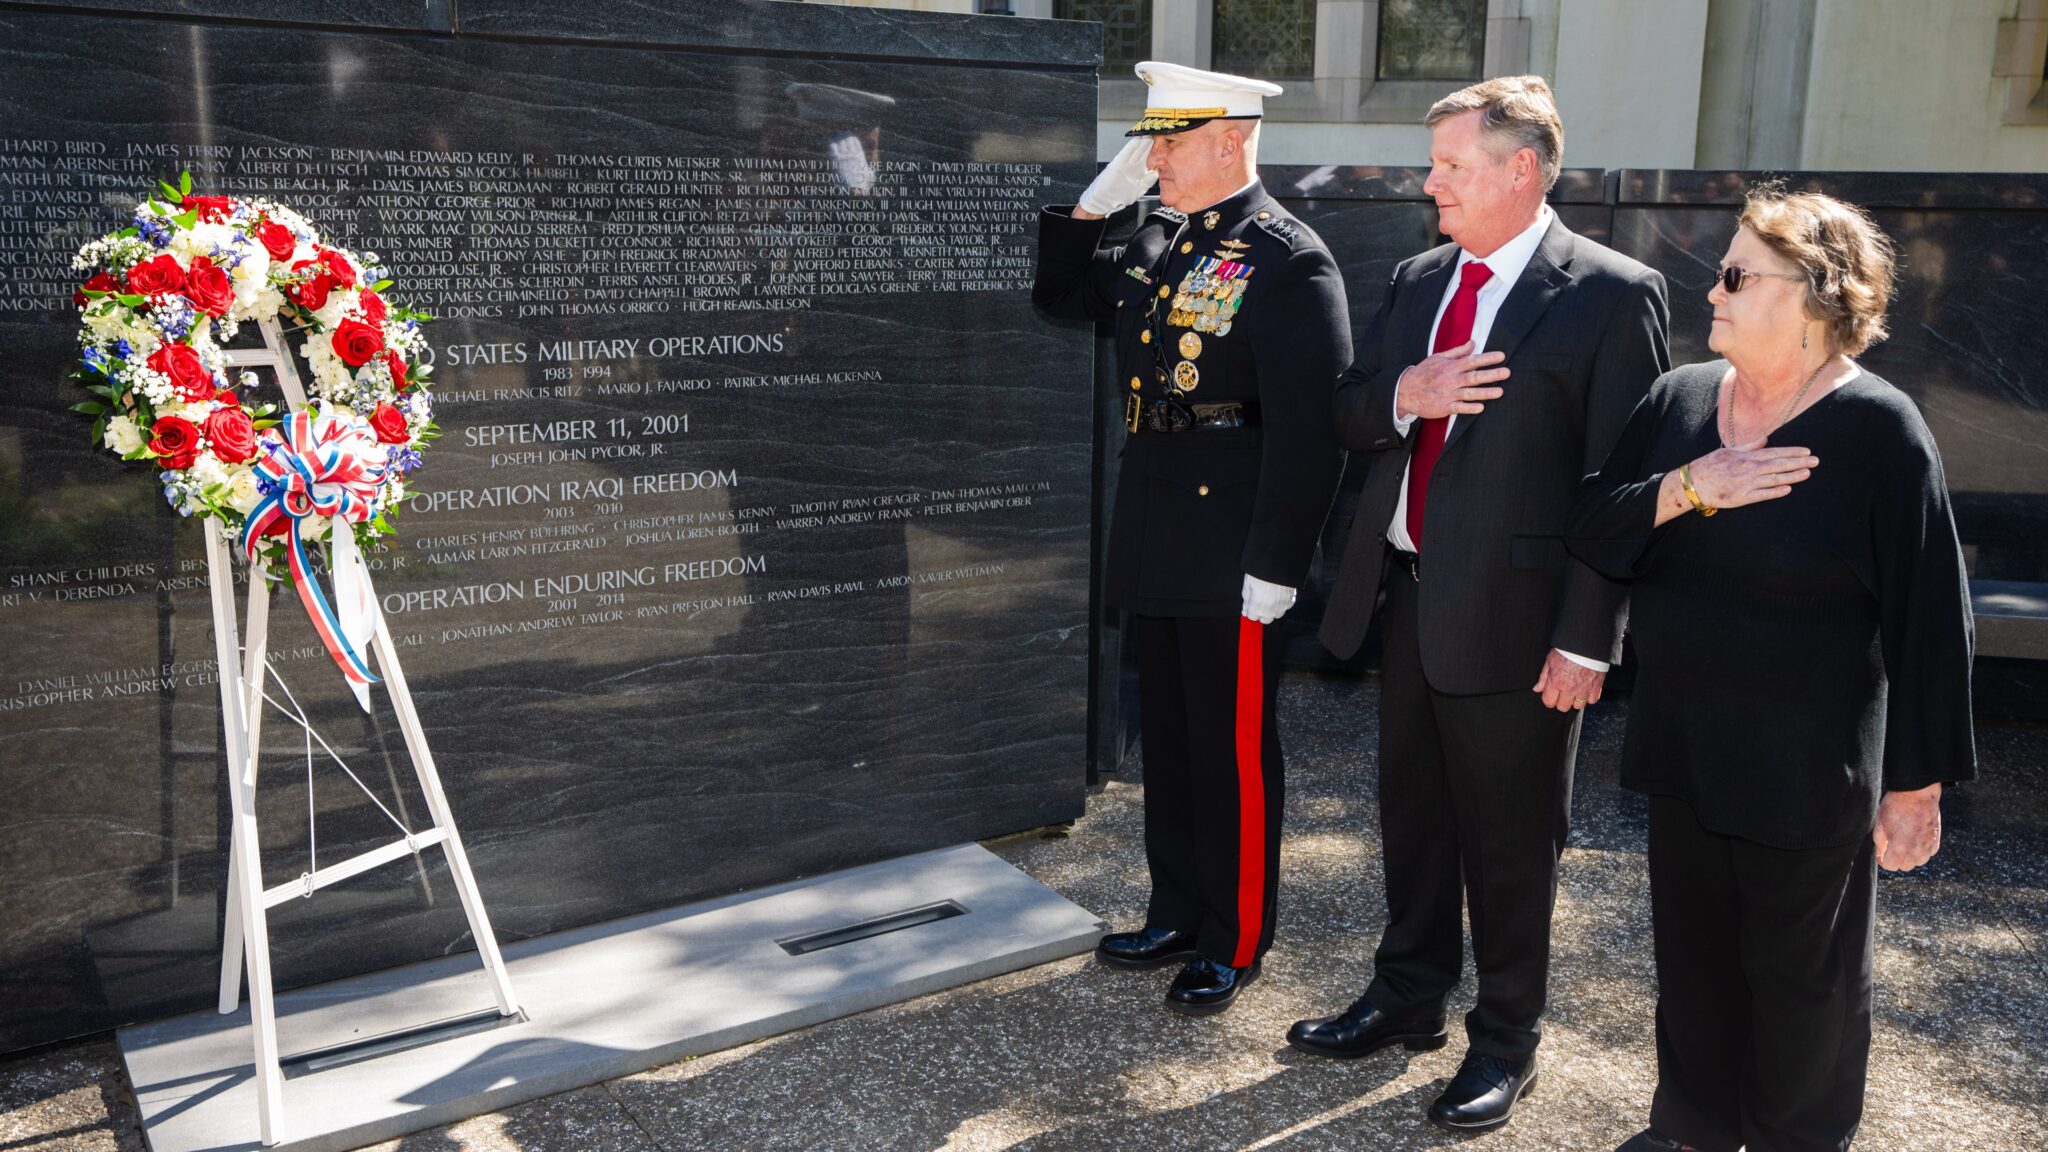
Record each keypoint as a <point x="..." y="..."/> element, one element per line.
<point x="123" y="436"/>
<point x="313" y="529"/>
<point x="251" y="277"/>
<point x="243" y="492"/>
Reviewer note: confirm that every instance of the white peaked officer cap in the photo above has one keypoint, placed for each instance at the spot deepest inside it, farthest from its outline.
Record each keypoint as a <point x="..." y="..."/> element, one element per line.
<point x="1180" y="98"/>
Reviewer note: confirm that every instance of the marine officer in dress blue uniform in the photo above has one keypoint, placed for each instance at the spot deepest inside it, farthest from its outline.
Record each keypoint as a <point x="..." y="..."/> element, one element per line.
<point x="1231" y="330"/>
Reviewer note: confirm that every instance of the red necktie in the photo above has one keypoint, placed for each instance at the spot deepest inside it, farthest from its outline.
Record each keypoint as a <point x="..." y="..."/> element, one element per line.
<point x="1454" y="329"/>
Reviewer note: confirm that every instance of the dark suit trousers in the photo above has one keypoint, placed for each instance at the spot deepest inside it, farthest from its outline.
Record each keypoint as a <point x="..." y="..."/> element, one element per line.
<point x="1213" y="781"/>
<point x="1763" y="987"/>
<point x="1475" y="802"/>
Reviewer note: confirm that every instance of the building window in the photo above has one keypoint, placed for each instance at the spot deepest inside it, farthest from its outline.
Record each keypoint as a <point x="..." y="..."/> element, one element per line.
<point x="1428" y="39"/>
<point x="1126" y="29"/>
<point x="1269" y="39"/>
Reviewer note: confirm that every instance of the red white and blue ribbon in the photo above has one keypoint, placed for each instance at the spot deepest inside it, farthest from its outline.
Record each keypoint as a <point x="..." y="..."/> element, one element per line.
<point x="329" y="466"/>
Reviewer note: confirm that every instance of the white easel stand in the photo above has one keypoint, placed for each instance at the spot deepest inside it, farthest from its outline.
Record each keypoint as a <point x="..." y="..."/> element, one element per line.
<point x="241" y="701"/>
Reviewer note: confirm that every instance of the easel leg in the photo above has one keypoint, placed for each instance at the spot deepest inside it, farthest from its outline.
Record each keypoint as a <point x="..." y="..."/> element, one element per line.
<point x="253" y="671"/>
<point x="244" y="844"/>
<point x="437" y="805"/>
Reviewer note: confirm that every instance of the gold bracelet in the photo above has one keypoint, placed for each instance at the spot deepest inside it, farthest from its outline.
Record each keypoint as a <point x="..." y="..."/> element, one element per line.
<point x="1698" y="505"/>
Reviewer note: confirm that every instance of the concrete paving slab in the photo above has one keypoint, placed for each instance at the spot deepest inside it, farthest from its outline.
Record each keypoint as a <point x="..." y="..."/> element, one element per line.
<point x="600" y="1002"/>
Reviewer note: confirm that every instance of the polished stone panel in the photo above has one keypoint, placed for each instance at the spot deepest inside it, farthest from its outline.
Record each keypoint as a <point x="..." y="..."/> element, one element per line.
<point x="807" y="583"/>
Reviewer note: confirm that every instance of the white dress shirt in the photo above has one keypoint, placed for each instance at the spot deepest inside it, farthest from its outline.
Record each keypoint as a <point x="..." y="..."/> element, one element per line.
<point x="1507" y="263"/>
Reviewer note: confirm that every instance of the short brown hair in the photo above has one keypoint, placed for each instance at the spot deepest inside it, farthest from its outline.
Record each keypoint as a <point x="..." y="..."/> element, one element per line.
<point x="1520" y="111"/>
<point x="1848" y="262"/>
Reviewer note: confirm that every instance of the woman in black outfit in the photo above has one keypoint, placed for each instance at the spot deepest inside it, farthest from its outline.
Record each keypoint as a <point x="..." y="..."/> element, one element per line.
<point x="1802" y="623"/>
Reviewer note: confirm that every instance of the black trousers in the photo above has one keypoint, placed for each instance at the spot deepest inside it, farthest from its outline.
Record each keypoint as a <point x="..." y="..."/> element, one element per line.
<point x="1475" y="803"/>
<point x="1763" y="987"/>
<point x="1213" y="780"/>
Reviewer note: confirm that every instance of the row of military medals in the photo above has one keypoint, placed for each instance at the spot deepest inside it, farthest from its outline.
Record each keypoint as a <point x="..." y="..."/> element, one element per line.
<point x="1209" y="297"/>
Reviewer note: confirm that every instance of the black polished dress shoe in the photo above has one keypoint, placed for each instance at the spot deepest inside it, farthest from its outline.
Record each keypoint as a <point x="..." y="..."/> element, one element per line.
<point x="1651" y="1140"/>
<point x="1363" y="1030"/>
<point x="1483" y="1093"/>
<point x="1205" y="987"/>
<point x="1145" y="948"/>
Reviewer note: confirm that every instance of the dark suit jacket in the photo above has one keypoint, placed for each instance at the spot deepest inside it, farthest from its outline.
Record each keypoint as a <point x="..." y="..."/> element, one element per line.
<point x="1198" y="510"/>
<point x="1584" y="330"/>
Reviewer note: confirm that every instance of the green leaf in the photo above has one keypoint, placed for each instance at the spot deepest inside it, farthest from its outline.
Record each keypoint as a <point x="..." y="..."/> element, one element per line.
<point x="260" y="425"/>
<point x="169" y="191"/>
<point x="380" y="285"/>
<point x="89" y="407"/>
<point x="129" y="233"/>
<point x="185" y="182"/>
<point x="186" y="219"/>
<point x="99" y="430"/>
<point x="132" y="300"/>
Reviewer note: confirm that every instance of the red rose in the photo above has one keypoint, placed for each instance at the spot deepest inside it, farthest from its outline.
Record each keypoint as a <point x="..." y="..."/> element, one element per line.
<point x="232" y="434"/>
<point x="208" y="288"/>
<point x="389" y="424"/>
<point x="338" y="267"/>
<point x="175" y="443"/>
<point x="155" y="275"/>
<point x="276" y="239"/>
<point x="188" y="374"/>
<point x="397" y="367"/>
<point x="374" y="311"/>
<point x="312" y="295"/>
<point x="100" y="282"/>
<point x="213" y="209"/>
<point x="355" y="342"/>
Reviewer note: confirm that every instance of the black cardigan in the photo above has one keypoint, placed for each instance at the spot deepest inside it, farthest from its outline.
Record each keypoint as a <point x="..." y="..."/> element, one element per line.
<point x="1798" y="657"/>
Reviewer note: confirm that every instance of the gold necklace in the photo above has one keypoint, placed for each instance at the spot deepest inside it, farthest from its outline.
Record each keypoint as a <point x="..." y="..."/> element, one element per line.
<point x="1728" y="433"/>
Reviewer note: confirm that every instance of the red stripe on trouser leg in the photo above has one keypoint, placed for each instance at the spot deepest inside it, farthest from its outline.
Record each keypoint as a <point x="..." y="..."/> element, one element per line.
<point x="1251" y="790"/>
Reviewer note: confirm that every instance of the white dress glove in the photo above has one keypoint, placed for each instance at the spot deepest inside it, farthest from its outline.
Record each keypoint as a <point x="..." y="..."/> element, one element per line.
<point x="1266" y="602"/>
<point x="1123" y="181"/>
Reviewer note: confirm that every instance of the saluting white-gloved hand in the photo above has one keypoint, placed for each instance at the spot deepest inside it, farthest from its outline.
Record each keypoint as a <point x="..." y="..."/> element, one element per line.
<point x="1265" y="602"/>
<point x="1123" y="181"/>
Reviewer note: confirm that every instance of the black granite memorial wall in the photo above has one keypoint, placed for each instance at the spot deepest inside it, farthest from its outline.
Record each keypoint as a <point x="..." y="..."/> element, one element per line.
<point x="756" y="543"/>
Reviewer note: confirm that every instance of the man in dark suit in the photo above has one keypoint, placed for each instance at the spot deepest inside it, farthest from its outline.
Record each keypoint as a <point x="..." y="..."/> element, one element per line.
<point x="1497" y="373"/>
<point x="1230" y="332"/>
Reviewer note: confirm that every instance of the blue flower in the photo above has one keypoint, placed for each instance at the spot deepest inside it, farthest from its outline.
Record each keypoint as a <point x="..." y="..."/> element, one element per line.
<point x="95" y="361"/>
<point x="123" y="349"/>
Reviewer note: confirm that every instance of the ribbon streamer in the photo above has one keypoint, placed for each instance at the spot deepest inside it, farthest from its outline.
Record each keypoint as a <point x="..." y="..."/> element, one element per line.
<point x="329" y="466"/>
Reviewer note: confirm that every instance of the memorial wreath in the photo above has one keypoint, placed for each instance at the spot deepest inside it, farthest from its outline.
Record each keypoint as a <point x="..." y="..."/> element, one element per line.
<point x="162" y="298"/>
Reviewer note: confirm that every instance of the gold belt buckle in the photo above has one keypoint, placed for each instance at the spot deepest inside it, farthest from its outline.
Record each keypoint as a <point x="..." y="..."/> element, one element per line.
<point x="1132" y="410"/>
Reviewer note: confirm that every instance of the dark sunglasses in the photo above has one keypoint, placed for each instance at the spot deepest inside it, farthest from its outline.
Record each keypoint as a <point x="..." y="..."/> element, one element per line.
<point x="1733" y="278"/>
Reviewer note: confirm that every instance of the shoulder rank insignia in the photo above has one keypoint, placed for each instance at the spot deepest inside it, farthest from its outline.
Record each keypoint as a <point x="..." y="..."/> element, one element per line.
<point x="1173" y="214"/>
<point x="1284" y="229"/>
<point x="1210" y="295"/>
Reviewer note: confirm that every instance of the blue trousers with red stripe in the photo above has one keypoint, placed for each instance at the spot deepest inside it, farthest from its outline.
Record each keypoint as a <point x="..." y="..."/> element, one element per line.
<point x="1213" y="781"/>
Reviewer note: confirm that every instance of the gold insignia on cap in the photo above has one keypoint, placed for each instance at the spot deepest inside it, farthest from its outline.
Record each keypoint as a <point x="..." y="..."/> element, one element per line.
<point x="1186" y="376"/>
<point x="1190" y="345"/>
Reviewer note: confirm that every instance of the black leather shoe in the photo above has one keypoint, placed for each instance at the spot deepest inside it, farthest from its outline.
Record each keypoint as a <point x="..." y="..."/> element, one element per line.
<point x="1651" y="1140"/>
<point x="1483" y="1093"/>
<point x="1363" y="1030"/>
<point x="1145" y="948"/>
<point x="1205" y="987"/>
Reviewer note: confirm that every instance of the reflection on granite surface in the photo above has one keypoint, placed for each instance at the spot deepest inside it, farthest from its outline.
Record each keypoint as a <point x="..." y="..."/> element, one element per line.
<point x="621" y="726"/>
